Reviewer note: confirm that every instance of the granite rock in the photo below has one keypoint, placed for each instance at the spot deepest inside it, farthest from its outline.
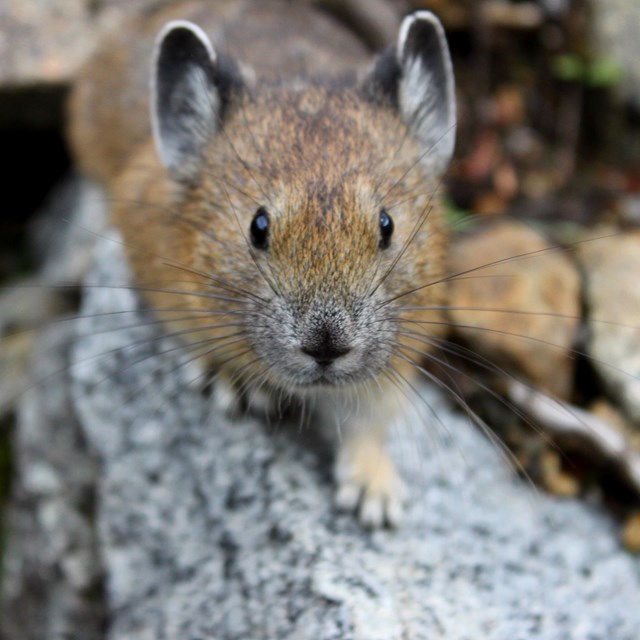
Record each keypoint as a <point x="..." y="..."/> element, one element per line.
<point x="213" y="529"/>
<point x="52" y="574"/>
<point x="62" y="238"/>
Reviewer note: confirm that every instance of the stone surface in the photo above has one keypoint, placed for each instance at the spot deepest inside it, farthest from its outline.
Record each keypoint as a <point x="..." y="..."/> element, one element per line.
<point x="216" y="530"/>
<point x="43" y="41"/>
<point x="517" y="302"/>
<point x="63" y="237"/>
<point x="605" y="443"/>
<point x="15" y="352"/>
<point x="52" y="576"/>
<point x="219" y="530"/>
<point x="611" y="266"/>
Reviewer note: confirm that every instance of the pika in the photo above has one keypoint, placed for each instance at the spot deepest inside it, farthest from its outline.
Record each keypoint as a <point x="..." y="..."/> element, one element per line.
<point x="279" y="208"/>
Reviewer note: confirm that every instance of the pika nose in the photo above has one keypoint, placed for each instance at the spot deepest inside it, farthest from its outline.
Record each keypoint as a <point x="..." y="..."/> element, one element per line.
<point x="323" y="348"/>
<point x="325" y="354"/>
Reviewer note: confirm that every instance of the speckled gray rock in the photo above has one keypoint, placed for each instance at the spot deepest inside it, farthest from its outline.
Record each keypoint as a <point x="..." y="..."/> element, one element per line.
<point x="52" y="574"/>
<point x="221" y="530"/>
<point x="62" y="239"/>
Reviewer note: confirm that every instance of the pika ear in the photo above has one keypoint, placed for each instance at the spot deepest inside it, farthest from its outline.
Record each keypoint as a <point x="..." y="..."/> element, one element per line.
<point x="190" y="88"/>
<point x="417" y="76"/>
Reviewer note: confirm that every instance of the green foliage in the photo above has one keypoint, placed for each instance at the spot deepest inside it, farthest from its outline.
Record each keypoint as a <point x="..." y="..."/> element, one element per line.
<point x="597" y="73"/>
<point x="457" y="219"/>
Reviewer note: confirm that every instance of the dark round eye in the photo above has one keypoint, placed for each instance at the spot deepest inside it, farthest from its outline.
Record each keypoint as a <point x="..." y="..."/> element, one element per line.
<point x="259" y="230"/>
<point x="386" y="229"/>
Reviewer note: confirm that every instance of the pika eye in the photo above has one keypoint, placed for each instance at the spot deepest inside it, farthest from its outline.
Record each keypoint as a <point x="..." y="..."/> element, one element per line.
<point x="386" y="229"/>
<point x="259" y="230"/>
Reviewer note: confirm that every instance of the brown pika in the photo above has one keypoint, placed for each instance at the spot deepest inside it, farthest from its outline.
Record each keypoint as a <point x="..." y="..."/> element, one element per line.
<point x="281" y="213"/>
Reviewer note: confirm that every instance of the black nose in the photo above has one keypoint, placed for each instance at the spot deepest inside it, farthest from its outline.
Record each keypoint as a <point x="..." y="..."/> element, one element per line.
<point x="324" y="349"/>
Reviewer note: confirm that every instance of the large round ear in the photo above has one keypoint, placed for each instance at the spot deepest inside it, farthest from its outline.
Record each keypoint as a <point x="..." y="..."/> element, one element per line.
<point x="417" y="75"/>
<point x="190" y="87"/>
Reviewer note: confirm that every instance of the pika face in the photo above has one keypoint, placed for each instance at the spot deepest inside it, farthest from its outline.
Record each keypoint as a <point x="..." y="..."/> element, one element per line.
<point x="324" y="214"/>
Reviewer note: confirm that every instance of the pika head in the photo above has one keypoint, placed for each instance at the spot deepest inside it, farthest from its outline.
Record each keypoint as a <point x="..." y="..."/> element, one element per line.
<point x="315" y="197"/>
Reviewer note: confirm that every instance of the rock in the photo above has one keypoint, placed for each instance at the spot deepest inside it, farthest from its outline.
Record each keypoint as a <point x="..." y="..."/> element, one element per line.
<point x="52" y="576"/>
<point x="43" y="42"/>
<point x="611" y="266"/>
<point x="616" y="24"/>
<point x="522" y="308"/>
<point x="63" y="237"/>
<point x="15" y="351"/>
<point x="212" y="529"/>
<point x="598" y="436"/>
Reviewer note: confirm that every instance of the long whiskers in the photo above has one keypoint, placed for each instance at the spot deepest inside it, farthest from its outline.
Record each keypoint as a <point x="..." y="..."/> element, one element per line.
<point x="501" y="447"/>
<point x="571" y="352"/>
<point x="493" y="263"/>
<point x="474" y="358"/>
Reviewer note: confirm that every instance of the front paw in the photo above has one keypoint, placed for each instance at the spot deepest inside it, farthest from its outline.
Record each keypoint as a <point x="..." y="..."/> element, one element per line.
<point x="228" y="399"/>
<point x="367" y="481"/>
